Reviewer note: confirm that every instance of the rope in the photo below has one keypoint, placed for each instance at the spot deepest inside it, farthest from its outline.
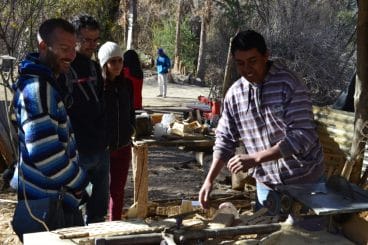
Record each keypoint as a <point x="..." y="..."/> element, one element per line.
<point x="27" y="204"/>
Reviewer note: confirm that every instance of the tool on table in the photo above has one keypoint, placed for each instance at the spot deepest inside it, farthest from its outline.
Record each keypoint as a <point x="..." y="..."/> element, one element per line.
<point x="179" y="217"/>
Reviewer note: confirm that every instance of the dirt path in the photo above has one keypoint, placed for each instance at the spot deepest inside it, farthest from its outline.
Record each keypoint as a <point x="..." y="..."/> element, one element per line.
<point x="178" y="94"/>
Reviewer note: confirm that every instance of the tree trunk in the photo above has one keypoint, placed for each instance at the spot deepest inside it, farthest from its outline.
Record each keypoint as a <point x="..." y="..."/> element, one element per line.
<point x="177" y="39"/>
<point x="360" y="96"/>
<point x="202" y="44"/>
<point x="122" y="20"/>
<point x="205" y="19"/>
<point x="135" y="25"/>
<point x="132" y="19"/>
<point x="227" y="76"/>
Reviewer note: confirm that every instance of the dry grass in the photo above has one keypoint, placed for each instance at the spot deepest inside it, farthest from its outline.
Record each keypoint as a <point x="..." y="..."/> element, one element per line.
<point x="7" y="236"/>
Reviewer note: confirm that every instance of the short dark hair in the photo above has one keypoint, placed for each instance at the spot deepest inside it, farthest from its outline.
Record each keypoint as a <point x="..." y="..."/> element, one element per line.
<point x="248" y="39"/>
<point x="85" y="21"/>
<point x="48" y="27"/>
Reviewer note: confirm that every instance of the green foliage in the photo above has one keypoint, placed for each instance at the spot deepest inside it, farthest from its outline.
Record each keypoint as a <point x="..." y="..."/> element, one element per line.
<point x="103" y="10"/>
<point x="164" y="37"/>
<point x="233" y="11"/>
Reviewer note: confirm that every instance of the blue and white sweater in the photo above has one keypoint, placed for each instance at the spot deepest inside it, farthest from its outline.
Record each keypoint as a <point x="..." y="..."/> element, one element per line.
<point x="48" y="156"/>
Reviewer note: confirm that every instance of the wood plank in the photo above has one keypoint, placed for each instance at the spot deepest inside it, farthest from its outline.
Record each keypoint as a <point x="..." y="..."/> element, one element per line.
<point x="356" y="229"/>
<point x="203" y="142"/>
<point x="95" y="231"/>
<point x="140" y="177"/>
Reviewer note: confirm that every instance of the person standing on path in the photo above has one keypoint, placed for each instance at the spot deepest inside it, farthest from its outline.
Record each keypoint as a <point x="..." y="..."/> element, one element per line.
<point x="121" y="122"/>
<point x="87" y="115"/>
<point x="132" y="70"/>
<point x="163" y="66"/>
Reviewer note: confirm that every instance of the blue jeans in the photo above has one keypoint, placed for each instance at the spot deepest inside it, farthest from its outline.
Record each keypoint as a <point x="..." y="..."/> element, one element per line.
<point x="311" y="223"/>
<point x="97" y="166"/>
<point x="262" y="192"/>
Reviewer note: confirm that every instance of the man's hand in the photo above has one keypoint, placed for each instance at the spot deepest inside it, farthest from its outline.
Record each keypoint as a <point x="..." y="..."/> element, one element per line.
<point x="241" y="162"/>
<point x="204" y="194"/>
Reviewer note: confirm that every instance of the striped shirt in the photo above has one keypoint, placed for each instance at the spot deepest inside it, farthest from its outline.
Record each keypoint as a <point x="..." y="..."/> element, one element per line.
<point x="262" y="115"/>
<point x="48" y="156"/>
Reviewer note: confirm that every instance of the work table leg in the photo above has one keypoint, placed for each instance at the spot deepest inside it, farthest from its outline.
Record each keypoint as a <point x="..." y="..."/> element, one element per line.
<point x="140" y="177"/>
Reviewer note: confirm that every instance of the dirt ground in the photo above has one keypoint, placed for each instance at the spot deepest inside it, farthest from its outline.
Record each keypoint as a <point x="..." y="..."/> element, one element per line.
<point x="173" y="174"/>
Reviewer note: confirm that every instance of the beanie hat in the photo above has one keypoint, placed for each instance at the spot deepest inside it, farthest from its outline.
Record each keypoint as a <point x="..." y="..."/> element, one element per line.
<point x="107" y="51"/>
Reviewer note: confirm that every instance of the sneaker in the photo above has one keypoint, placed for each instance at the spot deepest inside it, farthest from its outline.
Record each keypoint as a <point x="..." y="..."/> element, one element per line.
<point x="164" y="96"/>
<point x="159" y="95"/>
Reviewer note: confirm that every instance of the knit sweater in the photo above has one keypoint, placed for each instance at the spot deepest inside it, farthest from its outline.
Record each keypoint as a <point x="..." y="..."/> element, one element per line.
<point x="48" y="156"/>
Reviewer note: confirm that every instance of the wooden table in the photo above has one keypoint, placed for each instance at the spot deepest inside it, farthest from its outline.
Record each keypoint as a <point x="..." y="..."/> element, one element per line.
<point x="140" y="163"/>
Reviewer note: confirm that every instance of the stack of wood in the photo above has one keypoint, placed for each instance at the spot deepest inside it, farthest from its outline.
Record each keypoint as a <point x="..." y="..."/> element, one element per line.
<point x="184" y="128"/>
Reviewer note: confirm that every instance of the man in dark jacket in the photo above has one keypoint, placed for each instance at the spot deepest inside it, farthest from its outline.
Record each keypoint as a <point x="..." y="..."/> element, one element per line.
<point x="87" y="115"/>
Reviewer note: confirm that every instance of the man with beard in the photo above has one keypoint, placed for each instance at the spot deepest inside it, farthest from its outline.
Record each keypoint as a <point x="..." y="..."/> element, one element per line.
<point x="47" y="150"/>
<point x="87" y="115"/>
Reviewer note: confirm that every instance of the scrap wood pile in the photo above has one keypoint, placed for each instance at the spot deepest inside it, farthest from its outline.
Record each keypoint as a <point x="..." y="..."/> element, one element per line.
<point x="189" y="125"/>
<point x="170" y="125"/>
<point x="182" y="221"/>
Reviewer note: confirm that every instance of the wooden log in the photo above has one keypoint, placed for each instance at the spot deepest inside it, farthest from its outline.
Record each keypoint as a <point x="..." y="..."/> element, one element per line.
<point x="185" y="236"/>
<point x="152" y="238"/>
<point x="140" y="177"/>
<point x="222" y="220"/>
<point x="228" y="232"/>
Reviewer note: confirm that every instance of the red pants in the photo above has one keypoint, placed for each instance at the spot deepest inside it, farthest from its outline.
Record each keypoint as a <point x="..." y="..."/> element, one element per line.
<point x="119" y="166"/>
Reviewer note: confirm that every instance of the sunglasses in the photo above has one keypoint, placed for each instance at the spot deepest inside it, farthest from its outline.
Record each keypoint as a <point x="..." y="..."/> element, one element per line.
<point x="90" y="41"/>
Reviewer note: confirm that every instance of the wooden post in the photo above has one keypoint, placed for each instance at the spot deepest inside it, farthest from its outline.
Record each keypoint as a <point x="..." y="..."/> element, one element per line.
<point x="177" y="37"/>
<point x="140" y="177"/>
<point x="227" y="77"/>
<point x="353" y="167"/>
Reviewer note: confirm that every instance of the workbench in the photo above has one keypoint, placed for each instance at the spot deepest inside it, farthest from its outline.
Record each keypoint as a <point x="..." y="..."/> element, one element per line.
<point x="140" y="162"/>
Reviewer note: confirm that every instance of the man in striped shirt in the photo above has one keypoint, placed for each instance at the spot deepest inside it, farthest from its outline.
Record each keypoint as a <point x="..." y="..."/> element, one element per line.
<point x="47" y="151"/>
<point x="269" y="111"/>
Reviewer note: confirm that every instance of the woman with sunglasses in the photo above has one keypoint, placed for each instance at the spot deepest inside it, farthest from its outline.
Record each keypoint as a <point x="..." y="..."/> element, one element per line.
<point x="120" y="122"/>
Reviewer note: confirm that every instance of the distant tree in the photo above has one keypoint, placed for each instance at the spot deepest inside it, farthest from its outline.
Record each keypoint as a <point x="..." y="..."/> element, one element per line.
<point x="19" y="22"/>
<point x="177" y="37"/>
<point x="164" y="36"/>
<point x="233" y="16"/>
<point x="131" y="24"/>
<point x="205" y="20"/>
<point x="315" y="38"/>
